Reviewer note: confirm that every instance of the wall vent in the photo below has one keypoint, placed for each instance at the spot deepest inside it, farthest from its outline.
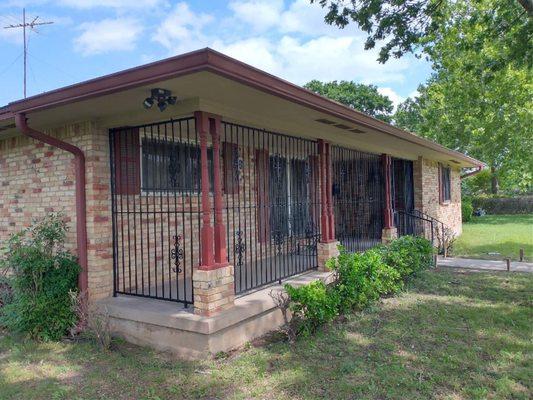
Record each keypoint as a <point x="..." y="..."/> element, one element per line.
<point x="337" y="125"/>
<point x="325" y="121"/>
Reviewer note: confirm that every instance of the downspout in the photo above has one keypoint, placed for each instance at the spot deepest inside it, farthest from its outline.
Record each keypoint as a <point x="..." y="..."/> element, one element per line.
<point x="79" y="168"/>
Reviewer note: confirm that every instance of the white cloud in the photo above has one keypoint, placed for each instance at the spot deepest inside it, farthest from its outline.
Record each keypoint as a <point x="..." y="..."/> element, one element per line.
<point x="259" y="14"/>
<point x="182" y="29"/>
<point x="391" y="94"/>
<point x="108" y="35"/>
<point x="292" y="42"/>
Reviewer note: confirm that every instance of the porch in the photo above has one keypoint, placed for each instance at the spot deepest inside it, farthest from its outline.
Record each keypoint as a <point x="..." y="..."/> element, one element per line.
<point x="171" y="327"/>
<point x="199" y="194"/>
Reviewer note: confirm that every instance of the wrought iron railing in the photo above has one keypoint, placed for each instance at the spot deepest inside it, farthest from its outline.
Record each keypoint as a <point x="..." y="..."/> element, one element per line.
<point x="439" y="229"/>
<point x="408" y="223"/>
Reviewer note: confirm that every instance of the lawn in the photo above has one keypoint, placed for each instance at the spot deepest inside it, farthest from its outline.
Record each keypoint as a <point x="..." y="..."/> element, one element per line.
<point x="450" y="336"/>
<point x="503" y="234"/>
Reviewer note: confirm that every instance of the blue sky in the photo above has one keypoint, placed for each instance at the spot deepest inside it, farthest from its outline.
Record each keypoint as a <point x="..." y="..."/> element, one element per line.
<point x="287" y="38"/>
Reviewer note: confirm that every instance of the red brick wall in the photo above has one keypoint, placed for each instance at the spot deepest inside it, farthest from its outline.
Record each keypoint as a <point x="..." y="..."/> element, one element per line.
<point x="36" y="179"/>
<point x="426" y="181"/>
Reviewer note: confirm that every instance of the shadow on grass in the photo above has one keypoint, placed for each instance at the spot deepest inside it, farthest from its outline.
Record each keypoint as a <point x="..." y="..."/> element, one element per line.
<point x="421" y="345"/>
<point x="449" y="334"/>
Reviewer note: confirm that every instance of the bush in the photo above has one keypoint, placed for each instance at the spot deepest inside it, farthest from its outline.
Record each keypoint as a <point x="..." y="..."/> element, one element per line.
<point x="360" y="278"/>
<point x="408" y="255"/>
<point x="312" y="305"/>
<point x="504" y="205"/>
<point x="42" y="276"/>
<point x="467" y="210"/>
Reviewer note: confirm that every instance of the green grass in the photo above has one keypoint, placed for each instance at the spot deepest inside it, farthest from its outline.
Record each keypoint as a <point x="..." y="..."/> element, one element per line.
<point x="449" y="336"/>
<point x="503" y="234"/>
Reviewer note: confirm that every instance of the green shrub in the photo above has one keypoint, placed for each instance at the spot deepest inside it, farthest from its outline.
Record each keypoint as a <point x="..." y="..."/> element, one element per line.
<point x="408" y="255"/>
<point x="467" y="210"/>
<point x="362" y="278"/>
<point x="42" y="274"/>
<point x="312" y="305"/>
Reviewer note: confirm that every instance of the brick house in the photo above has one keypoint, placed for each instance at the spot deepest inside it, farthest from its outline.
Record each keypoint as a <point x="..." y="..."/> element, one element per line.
<point x="193" y="184"/>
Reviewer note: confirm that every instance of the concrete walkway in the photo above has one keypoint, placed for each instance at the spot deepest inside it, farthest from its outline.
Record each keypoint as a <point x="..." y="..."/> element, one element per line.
<point x="484" y="265"/>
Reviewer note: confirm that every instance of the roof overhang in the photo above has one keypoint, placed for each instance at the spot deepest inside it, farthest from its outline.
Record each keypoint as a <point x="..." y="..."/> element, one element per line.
<point x="223" y="84"/>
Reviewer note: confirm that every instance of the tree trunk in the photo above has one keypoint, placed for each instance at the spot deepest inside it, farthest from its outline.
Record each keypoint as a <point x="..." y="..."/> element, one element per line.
<point x="495" y="185"/>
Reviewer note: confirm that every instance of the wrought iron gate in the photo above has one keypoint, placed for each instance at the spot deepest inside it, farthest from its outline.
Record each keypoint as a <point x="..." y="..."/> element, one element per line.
<point x="270" y="184"/>
<point x="402" y="185"/>
<point x="357" y="198"/>
<point x="155" y="186"/>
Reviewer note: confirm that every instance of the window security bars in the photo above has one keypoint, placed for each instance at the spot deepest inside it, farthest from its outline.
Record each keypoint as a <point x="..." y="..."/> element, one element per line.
<point x="271" y="189"/>
<point x="156" y="205"/>
<point x="358" y="198"/>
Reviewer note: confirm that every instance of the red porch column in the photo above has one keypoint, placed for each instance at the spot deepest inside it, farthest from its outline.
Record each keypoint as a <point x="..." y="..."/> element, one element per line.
<point x="389" y="231"/>
<point x="207" y="260"/>
<point x="213" y="280"/>
<point x="328" y="247"/>
<point x="324" y="220"/>
<point x="221" y="255"/>
<point x="329" y="188"/>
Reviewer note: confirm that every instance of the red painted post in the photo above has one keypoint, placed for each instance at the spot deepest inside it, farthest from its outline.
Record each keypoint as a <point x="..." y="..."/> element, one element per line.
<point x="221" y="254"/>
<point x="388" y="219"/>
<point x="324" y="230"/>
<point x="329" y="188"/>
<point x="207" y="260"/>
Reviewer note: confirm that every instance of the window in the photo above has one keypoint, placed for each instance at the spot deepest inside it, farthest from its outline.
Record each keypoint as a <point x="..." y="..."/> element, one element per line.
<point x="172" y="166"/>
<point x="445" y="188"/>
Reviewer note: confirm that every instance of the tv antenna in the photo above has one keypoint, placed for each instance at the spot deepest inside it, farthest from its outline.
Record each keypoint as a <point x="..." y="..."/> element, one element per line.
<point x="25" y="25"/>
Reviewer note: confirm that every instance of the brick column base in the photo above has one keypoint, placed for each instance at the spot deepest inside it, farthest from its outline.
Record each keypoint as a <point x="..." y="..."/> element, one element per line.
<point x="325" y="252"/>
<point x="214" y="290"/>
<point x="388" y="235"/>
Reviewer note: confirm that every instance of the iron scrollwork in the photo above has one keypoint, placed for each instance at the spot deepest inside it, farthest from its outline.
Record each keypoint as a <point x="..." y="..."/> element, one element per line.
<point x="240" y="247"/>
<point x="177" y="254"/>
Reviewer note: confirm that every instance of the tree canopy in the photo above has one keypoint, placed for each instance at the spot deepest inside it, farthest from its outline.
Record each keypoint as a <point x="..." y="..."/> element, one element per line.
<point x="358" y="96"/>
<point x="403" y="26"/>
<point x="479" y="100"/>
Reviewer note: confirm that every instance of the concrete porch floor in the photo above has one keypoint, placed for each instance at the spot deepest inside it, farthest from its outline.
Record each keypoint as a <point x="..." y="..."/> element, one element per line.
<point x="169" y="326"/>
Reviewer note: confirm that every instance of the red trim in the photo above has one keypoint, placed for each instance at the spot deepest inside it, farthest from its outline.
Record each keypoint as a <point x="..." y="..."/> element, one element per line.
<point x="81" y="202"/>
<point x="221" y="254"/>
<point x="329" y="192"/>
<point x="210" y="60"/>
<point x="207" y="261"/>
<point x="262" y="162"/>
<point x="230" y="154"/>
<point x="127" y="161"/>
<point x="324" y="220"/>
<point x="388" y="220"/>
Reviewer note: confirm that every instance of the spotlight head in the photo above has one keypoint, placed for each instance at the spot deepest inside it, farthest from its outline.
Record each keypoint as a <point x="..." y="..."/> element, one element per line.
<point x="162" y="105"/>
<point x="171" y="100"/>
<point x="148" y="102"/>
<point x="158" y="93"/>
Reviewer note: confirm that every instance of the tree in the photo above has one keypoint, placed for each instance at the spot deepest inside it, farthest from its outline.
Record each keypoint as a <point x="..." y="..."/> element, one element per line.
<point x="403" y="26"/>
<point x="474" y="102"/>
<point x="358" y="96"/>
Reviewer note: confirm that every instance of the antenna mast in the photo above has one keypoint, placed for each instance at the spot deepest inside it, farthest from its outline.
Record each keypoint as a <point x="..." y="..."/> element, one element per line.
<point x="25" y="25"/>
